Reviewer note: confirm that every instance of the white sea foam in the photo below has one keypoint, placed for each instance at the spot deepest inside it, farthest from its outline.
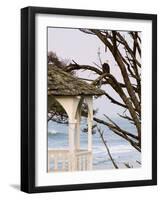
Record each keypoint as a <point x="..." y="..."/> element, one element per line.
<point x="121" y="149"/>
<point x="52" y="132"/>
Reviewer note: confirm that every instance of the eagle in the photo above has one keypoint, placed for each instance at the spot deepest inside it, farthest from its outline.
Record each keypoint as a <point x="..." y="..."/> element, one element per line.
<point x="106" y="68"/>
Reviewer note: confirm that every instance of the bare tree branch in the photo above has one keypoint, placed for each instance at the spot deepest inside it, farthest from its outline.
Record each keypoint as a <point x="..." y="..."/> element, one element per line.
<point x="107" y="148"/>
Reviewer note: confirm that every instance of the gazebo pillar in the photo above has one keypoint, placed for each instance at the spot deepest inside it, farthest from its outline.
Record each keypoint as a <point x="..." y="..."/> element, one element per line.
<point x="71" y="134"/>
<point x="89" y="101"/>
<point x="78" y="118"/>
<point x="77" y="132"/>
<point x="70" y="104"/>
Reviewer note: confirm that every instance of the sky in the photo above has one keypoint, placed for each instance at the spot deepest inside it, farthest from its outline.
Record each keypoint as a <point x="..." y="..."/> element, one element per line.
<point x="72" y="44"/>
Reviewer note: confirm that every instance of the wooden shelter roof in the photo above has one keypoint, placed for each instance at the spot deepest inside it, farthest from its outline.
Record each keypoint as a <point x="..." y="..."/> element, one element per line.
<point x="61" y="83"/>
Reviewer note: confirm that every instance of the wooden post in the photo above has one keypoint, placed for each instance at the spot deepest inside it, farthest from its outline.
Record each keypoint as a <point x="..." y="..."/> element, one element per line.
<point x="72" y="148"/>
<point x="78" y="117"/>
<point x="89" y="134"/>
<point x="90" y="121"/>
<point x="70" y="104"/>
<point x="71" y="132"/>
<point x="77" y="133"/>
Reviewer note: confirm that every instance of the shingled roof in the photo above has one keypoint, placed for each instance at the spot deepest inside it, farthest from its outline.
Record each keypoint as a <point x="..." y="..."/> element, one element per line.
<point x="61" y="83"/>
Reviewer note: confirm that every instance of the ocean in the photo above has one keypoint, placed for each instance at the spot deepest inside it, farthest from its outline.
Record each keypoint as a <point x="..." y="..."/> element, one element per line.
<point x="122" y="152"/>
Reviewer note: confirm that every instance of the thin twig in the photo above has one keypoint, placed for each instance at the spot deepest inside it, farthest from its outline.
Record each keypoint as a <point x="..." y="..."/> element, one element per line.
<point x="107" y="148"/>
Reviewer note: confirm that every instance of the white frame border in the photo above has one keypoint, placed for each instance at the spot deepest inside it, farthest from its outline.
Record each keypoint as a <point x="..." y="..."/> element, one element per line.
<point x="50" y="179"/>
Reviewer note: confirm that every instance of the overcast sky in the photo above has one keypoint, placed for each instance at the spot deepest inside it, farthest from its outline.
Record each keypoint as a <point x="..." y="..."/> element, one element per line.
<point x="72" y="44"/>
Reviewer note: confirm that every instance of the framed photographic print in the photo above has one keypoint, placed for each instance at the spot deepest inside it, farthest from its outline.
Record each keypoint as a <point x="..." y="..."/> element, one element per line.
<point x="88" y="99"/>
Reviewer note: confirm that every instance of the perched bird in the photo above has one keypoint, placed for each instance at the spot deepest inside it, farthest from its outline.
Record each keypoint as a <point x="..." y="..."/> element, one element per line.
<point x="106" y="68"/>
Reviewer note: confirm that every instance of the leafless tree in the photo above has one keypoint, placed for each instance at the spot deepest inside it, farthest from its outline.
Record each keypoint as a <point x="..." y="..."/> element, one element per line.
<point x="126" y="51"/>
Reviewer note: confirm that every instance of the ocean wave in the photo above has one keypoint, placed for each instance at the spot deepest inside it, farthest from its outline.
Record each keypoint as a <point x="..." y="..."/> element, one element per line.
<point x="53" y="132"/>
<point x="114" y="149"/>
<point x="121" y="148"/>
